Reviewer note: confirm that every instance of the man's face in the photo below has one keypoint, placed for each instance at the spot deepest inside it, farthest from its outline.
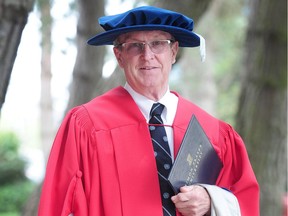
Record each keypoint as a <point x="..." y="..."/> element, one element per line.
<point x="147" y="70"/>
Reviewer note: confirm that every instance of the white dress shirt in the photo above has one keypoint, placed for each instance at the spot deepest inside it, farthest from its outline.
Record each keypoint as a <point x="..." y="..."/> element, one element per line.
<point x="169" y="100"/>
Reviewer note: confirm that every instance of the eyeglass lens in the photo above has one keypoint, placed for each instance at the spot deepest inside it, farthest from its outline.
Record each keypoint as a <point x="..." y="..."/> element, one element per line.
<point x="157" y="47"/>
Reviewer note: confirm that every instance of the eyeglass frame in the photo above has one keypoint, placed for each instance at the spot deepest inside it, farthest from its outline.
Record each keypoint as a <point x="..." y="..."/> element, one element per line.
<point x="143" y="45"/>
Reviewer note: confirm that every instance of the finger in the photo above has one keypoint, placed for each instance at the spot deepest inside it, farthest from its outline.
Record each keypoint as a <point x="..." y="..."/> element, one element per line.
<point x="187" y="188"/>
<point x="180" y="197"/>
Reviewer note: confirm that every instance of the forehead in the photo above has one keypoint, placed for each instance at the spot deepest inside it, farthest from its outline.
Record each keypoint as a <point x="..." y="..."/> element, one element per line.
<point x="144" y="35"/>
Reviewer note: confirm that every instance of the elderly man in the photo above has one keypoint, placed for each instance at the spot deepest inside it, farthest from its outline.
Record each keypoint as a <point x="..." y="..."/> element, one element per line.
<point x="107" y="160"/>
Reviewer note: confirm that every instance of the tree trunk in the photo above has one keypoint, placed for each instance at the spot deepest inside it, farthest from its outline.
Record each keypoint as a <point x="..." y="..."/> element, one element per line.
<point x="46" y="108"/>
<point x="192" y="8"/>
<point x="13" y="18"/>
<point x="31" y="206"/>
<point x="262" y="117"/>
<point x="198" y="80"/>
<point x="89" y="61"/>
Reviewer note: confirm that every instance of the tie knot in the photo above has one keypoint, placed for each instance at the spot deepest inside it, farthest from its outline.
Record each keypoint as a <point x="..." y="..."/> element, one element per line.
<point x="156" y="109"/>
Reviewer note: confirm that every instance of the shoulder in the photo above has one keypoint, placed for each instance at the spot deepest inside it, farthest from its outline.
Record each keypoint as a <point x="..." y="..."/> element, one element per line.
<point x="111" y="97"/>
<point x="113" y="109"/>
<point x="219" y="132"/>
<point x="107" y="101"/>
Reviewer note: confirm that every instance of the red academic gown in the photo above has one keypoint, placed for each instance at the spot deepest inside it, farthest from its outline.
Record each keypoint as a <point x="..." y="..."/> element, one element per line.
<point x="102" y="161"/>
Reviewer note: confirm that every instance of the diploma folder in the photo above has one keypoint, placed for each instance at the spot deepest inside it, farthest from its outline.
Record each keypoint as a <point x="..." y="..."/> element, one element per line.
<point x="196" y="161"/>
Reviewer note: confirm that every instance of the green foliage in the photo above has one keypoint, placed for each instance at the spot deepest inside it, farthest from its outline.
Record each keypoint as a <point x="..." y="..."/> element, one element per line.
<point x="11" y="171"/>
<point x="14" y="186"/>
<point x="9" y="214"/>
<point x="14" y="196"/>
<point x="9" y="145"/>
<point x="11" y="165"/>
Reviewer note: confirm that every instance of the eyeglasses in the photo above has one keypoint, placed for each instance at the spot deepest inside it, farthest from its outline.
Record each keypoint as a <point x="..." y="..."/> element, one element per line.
<point x="135" y="48"/>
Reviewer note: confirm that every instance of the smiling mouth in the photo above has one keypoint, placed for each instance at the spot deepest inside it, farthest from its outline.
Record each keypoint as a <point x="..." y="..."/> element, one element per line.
<point x="147" y="68"/>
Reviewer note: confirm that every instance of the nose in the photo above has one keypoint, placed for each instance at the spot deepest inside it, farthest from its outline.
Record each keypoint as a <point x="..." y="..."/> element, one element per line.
<point x="147" y="52"/>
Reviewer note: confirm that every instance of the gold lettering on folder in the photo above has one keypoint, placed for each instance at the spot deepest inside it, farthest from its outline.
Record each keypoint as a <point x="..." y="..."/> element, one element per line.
<point x="189" y="159"/>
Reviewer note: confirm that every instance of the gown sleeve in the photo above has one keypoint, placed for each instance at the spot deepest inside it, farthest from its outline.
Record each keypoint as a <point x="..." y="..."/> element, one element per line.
<point x="237" y="174"/>
<point x="63" y="189"/>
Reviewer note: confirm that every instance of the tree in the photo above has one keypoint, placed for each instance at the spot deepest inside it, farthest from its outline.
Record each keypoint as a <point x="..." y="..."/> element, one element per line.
<point x="262" y="112"/>
<point x="89" y="60"/>
<point x="13" y="18"/>
<point x="87" y="70"/>
<point x="46" y="109"/>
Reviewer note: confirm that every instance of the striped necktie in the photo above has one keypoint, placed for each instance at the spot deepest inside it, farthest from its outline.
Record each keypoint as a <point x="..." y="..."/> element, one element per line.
<point x="162" y="157"/>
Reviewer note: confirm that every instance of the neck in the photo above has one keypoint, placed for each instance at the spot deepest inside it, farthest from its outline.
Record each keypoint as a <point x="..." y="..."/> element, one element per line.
<point x="154" y="94"/>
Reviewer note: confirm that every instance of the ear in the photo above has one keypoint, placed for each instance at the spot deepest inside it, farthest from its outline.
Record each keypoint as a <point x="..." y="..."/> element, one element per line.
<point x="118" y="56"/>
<point x="175" y="48"/>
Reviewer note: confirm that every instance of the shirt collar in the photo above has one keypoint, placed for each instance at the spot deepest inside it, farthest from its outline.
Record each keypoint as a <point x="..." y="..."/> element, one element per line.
<point x="169" y="100"/>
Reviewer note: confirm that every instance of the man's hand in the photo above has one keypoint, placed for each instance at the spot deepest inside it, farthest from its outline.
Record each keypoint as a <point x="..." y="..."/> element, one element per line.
<point x="192" y="201"/>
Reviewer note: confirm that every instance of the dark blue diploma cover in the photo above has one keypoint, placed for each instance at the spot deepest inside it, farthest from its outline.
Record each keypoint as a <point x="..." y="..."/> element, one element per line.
<point x="196" y="161"/>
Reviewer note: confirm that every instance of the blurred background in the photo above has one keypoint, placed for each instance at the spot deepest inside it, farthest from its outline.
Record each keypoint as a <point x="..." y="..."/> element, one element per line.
<point x="46" y="68"/>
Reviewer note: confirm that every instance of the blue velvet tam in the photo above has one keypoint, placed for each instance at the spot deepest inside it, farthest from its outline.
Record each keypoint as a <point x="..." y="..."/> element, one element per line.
<point x="147" y="18"/>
